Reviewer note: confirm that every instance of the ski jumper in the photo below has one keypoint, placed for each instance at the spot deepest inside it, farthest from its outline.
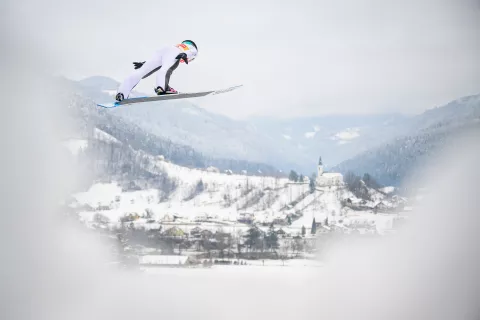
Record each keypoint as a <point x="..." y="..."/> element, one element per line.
<point x="165" y="61"/>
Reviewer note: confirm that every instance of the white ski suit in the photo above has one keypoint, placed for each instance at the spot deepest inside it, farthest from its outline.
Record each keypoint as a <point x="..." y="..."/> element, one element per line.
<point x="164" y="61"/>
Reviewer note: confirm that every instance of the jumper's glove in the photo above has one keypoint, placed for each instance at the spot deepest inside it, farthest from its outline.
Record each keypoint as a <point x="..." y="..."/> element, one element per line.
<point x="138" y="65"/>
<point x="183" y="56"/>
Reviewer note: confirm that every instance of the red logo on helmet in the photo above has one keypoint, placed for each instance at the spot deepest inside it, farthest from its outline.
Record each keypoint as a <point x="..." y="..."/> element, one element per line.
<point x="183" y="47"/>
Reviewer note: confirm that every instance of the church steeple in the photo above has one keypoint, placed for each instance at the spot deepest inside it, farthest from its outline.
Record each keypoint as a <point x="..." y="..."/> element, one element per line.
<point x="320" y="167"/>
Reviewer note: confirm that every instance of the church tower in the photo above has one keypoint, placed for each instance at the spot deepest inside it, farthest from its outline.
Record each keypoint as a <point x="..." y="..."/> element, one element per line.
<point x="320" y="167"/>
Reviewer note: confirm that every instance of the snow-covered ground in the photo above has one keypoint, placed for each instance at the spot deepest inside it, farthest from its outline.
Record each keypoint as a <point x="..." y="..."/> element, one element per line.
<point x="77" y="145"/>
<point x="218" y="200"/>
<point x="387" y="190"/>
<point x="296" y="268"/>
<point x="103" y="136"/>
<point x="251" y="266"/>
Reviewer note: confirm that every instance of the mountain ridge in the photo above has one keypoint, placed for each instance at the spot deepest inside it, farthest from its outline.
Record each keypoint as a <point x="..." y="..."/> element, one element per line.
<point x="255" y="139"/>
<point x="401" y="157"/>
<point x="283" y="143"/>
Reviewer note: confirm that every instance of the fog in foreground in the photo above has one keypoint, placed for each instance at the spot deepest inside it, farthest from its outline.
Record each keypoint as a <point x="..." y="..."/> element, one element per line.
<point x="54" y="269"/>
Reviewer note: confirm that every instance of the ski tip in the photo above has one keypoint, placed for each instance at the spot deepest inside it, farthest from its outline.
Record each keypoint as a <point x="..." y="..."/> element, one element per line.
<point x="227" y="89"/>
<point x="108" y="105"/>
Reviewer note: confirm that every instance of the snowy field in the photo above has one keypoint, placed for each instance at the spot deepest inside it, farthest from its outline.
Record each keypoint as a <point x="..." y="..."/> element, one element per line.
<point x="298" y="269"/>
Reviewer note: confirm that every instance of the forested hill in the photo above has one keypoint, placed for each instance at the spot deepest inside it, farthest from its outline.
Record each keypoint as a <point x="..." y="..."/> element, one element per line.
<point x="396" y="160"/>
<point x="86" y="120"/>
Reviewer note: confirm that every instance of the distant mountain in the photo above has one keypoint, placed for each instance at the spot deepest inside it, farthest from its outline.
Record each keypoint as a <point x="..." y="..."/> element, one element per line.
<point x="284" y="144"/>
<point x="335" y="138"/>
<point x="213" y="135"/>
<point x="427" y="135"/>
<point x="293" y="144"/>
<point x="456" y="112"/>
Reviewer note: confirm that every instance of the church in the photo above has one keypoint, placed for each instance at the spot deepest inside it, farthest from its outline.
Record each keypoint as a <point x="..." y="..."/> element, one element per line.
<point x="327" y="179"/>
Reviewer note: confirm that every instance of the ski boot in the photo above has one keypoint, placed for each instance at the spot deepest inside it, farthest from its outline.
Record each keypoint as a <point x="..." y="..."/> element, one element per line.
<point x="159" y="91"/>
<point x="119" y="97"/>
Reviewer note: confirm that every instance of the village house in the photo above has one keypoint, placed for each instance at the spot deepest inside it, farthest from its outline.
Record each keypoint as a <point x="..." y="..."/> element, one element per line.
<point x="246" y="218"/>
<point x="174" y="232"/>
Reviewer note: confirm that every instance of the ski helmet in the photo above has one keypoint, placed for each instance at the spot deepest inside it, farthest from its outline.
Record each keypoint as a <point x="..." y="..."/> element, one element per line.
<point x="190" y="42"/>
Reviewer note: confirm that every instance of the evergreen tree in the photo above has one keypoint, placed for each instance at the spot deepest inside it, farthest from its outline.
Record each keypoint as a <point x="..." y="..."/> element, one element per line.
<point x="326" y="221"/>
<point x="370" y="181"/>
<point x="297" y="245"/>
<point x="289" y="220"/>
<point x="252" y="237"/>
<point x="312" y="183"/>
<point x="200" y="187"/>
<point x="304" y="231"/>
<point x="356" y="185"/>
<point x="272" y="238"/>
<point x="351" y="180"/>
<point x="314" y="227"/>
<point x="301" y="178"/>
<point x="293" y="176"/>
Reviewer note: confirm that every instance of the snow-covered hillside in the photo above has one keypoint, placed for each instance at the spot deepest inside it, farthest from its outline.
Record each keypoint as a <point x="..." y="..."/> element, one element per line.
<point x="85" y="119"/>
<point x="220" y="200"/>
<point x="285" y="143"/>
<point x="289" y="144"/>
<point x="429" y="134"/>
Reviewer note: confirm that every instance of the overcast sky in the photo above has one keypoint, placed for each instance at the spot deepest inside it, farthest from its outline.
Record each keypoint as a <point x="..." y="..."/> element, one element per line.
<point x="295" y="58"/>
